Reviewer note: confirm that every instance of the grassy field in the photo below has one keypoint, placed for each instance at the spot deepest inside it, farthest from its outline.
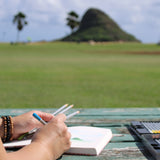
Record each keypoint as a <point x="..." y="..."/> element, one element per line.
<point x="49" y="75"/>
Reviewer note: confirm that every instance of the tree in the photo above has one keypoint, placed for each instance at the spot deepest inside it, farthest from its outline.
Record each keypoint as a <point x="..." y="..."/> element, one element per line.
<point x="19" y="19"/>
<point x="72" y="20"/>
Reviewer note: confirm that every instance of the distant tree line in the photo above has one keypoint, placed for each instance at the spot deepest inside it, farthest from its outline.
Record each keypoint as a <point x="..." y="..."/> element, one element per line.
<point x="20" y="20"/>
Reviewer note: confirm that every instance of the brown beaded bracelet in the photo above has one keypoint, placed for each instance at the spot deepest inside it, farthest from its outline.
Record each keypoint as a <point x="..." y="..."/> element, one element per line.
<point x="8" y="128"/>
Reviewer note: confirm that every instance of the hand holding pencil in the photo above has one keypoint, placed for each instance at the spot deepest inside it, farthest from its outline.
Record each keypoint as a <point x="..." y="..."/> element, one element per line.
<point x="61" y="110"/>
<point x="25" y="122"/>
<point x="53" y="136"/>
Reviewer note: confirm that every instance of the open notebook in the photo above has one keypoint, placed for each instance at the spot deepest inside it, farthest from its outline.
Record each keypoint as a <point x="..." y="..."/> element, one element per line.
<point x="84" y="140"/>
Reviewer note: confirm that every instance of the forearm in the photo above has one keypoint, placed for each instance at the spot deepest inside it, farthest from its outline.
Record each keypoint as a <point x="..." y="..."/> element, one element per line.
<point x="32" y="152"/>
<point x="3" y="154"/>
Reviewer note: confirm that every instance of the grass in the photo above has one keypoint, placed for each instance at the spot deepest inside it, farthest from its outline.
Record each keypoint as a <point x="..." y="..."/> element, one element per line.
<point x="89" y="76"/>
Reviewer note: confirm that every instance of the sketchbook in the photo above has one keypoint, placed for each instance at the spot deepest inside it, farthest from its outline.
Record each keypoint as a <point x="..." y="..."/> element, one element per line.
<point x="84" y="140"/>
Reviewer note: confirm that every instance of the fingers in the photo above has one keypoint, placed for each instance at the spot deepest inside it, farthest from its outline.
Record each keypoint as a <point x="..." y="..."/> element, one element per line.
<point x="59" y="123"/>
<point x="48" y="117"/>
<point x="68" y="142"/>
<point x="61" y="117"/>
<point x="45" y="116"/>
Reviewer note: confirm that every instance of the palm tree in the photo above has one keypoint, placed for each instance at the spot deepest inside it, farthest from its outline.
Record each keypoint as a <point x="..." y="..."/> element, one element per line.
<point x="19" y="19"/>
<point x="72" y="20"/>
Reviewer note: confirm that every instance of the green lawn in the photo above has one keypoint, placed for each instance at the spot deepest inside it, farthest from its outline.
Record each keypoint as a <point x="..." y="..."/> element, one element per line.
<point x="102" y="75"/>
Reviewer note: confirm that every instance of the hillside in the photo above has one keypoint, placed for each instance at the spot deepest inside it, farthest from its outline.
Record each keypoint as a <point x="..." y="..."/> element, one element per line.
<point x="98" y="26"/>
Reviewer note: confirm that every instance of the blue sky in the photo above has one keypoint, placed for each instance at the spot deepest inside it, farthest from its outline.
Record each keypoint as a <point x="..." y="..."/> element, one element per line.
<point x="47" y="17"/>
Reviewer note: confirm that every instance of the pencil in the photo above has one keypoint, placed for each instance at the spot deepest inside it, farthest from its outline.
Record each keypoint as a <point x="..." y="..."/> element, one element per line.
<point x="39" y="118"/>
<point x="60" y="109"/>
<point x="66" y="109"/>
<point x="73" y="114"/>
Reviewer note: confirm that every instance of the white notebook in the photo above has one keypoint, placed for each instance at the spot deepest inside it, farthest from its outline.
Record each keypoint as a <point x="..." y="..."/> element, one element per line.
<point x="84" y="140"/>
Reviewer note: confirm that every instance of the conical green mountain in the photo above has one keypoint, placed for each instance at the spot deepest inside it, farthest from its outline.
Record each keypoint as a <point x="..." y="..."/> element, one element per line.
<point x="98" y="26"/>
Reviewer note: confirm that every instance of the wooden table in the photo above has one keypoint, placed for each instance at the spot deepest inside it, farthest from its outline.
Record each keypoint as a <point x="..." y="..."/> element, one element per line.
<point x="123" y="145"/>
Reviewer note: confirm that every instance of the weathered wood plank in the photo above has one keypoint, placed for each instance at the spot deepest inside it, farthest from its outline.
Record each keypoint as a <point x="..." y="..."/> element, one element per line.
<point x="122" y="138"/>
<point x="97" y="112"/>
<point x="118" y="151"/>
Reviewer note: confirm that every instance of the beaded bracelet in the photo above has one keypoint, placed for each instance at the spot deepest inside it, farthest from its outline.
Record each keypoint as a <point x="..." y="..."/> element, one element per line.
<point x="8" y="128"/>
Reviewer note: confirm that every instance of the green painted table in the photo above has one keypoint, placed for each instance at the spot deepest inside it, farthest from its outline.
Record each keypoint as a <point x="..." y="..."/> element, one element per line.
<point x="123" y="145"/>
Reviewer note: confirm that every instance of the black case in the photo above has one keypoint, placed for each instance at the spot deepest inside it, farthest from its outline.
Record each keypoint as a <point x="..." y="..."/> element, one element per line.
<point x="147" y="138"/>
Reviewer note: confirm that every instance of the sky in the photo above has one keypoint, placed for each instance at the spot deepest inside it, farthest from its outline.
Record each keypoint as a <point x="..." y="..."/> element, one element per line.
<point x="47" y="18"/>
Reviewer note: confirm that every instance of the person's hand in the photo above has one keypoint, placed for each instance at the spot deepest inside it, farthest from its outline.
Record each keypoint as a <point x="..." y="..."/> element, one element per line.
<point x="54" y="136"/>
<point x="26" y="122"/>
